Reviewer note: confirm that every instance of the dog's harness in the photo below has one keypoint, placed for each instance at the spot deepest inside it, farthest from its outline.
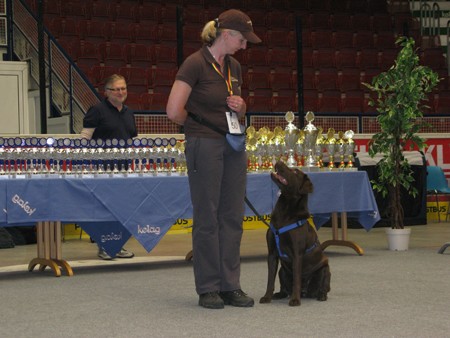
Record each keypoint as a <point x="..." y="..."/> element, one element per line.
<point x="287" y="228"/>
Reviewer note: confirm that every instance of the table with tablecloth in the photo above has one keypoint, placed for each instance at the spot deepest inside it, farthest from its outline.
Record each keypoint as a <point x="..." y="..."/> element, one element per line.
<point x="111" y="209"/>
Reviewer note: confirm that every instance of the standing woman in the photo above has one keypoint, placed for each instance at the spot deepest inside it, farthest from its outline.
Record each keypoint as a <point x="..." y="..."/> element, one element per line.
<point x="208" y="85"/>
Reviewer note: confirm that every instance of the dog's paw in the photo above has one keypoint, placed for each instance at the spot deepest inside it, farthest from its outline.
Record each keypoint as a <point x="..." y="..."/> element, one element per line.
<point x="280" y="295"/>
<point x="265" y="300"/>
<point x="322" y="297"/>
<point x="294" y="302"/>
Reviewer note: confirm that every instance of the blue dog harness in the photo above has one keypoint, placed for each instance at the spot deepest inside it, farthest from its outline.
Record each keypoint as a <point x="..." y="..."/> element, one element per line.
<point x="287" y="228"/>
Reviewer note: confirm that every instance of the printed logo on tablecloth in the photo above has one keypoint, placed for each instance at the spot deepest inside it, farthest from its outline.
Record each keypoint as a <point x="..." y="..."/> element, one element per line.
<point x="16" y="199"/>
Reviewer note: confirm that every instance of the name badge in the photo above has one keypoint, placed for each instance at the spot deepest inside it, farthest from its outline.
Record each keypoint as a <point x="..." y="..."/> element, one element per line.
<point x="233" y="123"/>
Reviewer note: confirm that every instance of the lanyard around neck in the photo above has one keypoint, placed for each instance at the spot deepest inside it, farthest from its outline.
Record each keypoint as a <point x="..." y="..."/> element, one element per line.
<point x="227" y="81"/>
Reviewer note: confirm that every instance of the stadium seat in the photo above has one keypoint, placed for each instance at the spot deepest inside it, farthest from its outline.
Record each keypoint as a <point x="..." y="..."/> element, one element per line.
<point x="146" y="33"/>
<point x="125" y="13"/>
<point x="100" y="73"/>
<point x="346" y="58"/>
<point x="281" y="80"/>
<point x="137" y="79"/>
<point x="153" y="101"/>
<point x="343" y="39"/>
<point x="330" y="101"/>
<point x="363" y="40"/>
<point x="349" y="79"/>
<point x="310" y="100"/>
<point x="138" y="55"/>
<point x="361" y="22"/>
<point x="368" y="58"/>
<point x="320" y="20"/>
<point x="324" y="58"/>
<point x="259" y="104"/>
<point x="149" y="14"/>
<point x="382" y="23"/>
<point x="321" y="38"/>
<point x="111" y="54"/>
<point x="352" y="101"/>
<point x="327" y="79"/>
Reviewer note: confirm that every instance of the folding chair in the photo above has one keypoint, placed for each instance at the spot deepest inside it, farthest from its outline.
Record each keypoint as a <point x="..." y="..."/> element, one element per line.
<point x="437" y="185"/>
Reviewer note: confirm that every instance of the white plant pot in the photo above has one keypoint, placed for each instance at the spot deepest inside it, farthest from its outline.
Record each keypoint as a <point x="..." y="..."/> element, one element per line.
<point x="398" y="239"/>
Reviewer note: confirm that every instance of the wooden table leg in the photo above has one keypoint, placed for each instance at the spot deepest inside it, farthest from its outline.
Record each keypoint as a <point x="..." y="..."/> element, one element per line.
<point x="49" y="249"/>
<point x="335" y="233"/>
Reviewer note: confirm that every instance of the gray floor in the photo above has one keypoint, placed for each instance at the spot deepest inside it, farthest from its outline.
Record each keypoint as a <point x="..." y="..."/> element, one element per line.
<point x="380" y="294"/>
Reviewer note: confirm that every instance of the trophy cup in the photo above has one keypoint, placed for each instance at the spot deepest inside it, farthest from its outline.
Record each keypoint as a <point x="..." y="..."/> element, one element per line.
<point x="349" y="148"/>
<point x="291" y="135"/>
<point x="309" y="142"/>
<point x="330" y="146"/>
<point x="340" y="145"/>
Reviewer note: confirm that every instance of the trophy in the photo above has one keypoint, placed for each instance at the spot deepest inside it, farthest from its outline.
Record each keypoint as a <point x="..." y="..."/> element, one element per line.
<point x="349" y="148"/>
<point x="291" y="135"/>
<point x="309" y="142"/>
<point x="340" y="145"/>
<point x="330" y="146"/>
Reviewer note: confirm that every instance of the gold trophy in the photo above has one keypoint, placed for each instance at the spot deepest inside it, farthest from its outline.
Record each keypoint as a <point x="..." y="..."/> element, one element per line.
<point x="309" y="142"/>
<point x="341" y="149"/>
<point x="330" y="146"/>
<point x="291" y="134"/>
<point x="349" y="148"/>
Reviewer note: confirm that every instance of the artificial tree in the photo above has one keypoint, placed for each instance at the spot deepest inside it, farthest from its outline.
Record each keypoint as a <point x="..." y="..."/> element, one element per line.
<point x="401" y="95"/>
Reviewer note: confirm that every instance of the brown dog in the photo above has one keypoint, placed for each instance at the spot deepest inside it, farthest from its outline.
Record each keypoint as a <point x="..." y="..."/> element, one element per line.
<point x="304" y="267"/>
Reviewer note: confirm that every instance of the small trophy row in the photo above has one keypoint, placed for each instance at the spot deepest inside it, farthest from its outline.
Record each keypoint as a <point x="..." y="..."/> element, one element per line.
<point x="307" y="149"/>
<point x="81" y="158"/>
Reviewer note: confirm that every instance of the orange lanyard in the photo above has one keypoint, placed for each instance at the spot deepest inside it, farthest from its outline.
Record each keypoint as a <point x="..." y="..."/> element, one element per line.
<point x="228" y="82"/>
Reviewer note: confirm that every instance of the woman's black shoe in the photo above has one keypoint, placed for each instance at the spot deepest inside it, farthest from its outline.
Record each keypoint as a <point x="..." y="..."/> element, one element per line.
<point x="211" y="300"/>
<point x="237" y="298"/>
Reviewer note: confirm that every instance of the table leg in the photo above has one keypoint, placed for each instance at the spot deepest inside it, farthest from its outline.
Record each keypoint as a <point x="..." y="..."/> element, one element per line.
<point x="335" y="234"/>
<point x="49" y="249"/>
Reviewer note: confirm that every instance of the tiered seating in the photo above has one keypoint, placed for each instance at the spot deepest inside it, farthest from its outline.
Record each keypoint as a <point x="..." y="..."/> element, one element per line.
<point x="344" y="42"/>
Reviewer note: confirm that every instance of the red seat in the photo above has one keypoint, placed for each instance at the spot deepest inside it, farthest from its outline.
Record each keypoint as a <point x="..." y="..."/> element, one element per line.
<point x="283" y="103"/>
<point x="192" y="33"/>
<point x="307" y="57"/>
<point x="320" y="20"/>
<point x="346" y="58"/>
<point x="167" y="34"/>
<point x="133" y="100"/>
<point x="138" y="55"/>
<point x="259" y="103"/>
<point x="442" y="102"/>
<point x="330" y="101"/>
<point x="309" y="78"/>
<point x="324" y="58"/>
<point x="282" y="58"/>
<point x="361" y="22"/>
<point x="88" y="54"/>
<point x="368" y="58"/>
<point x="162" y="76"/>
<point x="111" y="54"/>
<point x="321" y="38"/>
<point x="258" y="16"/>
<point x="279" y="19"/>
<point x="122" y="33"/>
<point x="349" y="79"/>
<point x="95" y="31"/>
<point x="363" y="40"/>
<point x="385" y="40"/>
<point x="258" y="56"/>
<point x="149" y="13"/>
<point x="102" y="10"/>
<point x="146" y="33"/>
<point x="100" y="73"/>
<point x="387" y="58"/>
<point x="164" y="55"/>
<point x="310" y="100"/>
<point x="258" y="80"/>
<point x="137" y="79"/>
<point x="368" y="74"/>
<point x="367" y="108"/>
<point x="194" y="15"/>
<point x="343" y="39"/>
<point x="280" y="38"/>
<point x="154" y="101"/>
<point x="382" y="23"/>
<point x="327" y="79"/>
<point x="125" y="13"/>
<point x="433" y="58"/>
<point x="340" y="21"/>
<point x="169" y="13"/>
<point x="281" y="80"/>
<point x="352" y="101"/>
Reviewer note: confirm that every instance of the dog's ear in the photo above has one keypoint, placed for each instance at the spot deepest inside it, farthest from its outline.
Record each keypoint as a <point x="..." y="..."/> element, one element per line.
<point x="306" y="187"/>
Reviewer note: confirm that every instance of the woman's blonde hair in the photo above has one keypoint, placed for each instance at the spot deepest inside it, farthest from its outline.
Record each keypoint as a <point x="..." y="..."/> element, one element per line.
<point x="210" y="32"/>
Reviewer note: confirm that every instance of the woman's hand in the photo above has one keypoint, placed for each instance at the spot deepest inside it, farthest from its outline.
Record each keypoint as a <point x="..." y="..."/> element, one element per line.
<point x="237" y="104"/>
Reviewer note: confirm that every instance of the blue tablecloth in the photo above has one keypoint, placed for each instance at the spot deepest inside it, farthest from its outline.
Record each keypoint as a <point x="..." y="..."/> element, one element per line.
<point x="146" y="207"/>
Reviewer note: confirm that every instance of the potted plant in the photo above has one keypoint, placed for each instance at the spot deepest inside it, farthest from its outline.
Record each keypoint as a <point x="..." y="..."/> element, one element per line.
<point x="401" y="94"/>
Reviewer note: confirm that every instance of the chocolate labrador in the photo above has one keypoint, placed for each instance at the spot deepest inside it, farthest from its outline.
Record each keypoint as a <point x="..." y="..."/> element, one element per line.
<point x="292" y="240"/>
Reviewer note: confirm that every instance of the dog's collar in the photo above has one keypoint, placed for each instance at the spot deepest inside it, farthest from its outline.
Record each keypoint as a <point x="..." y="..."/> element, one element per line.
<point x="287" y="228"/>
